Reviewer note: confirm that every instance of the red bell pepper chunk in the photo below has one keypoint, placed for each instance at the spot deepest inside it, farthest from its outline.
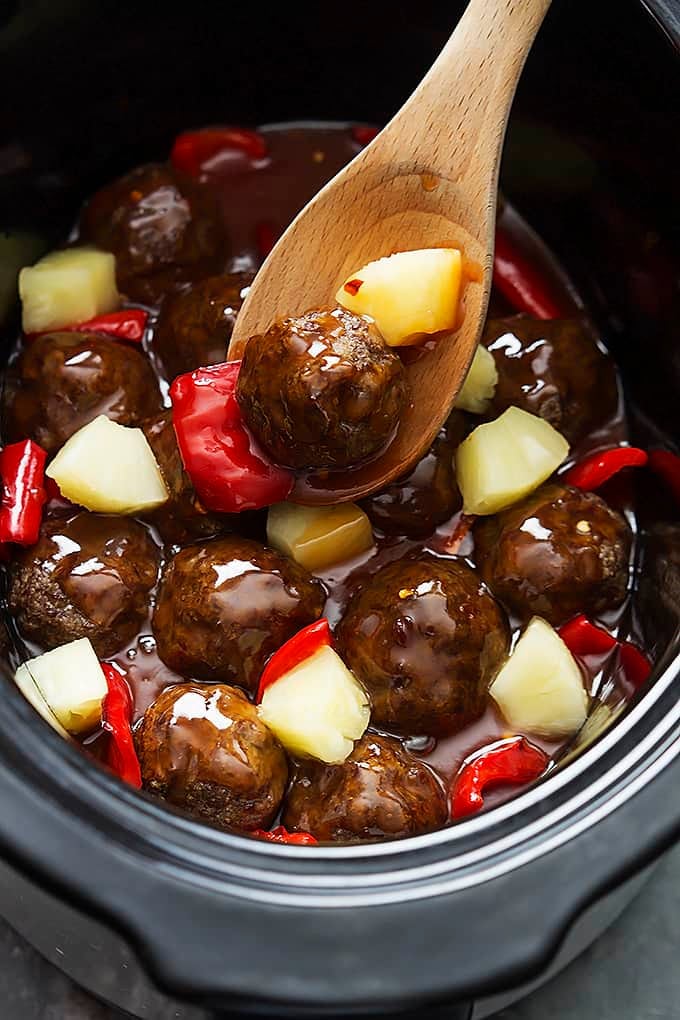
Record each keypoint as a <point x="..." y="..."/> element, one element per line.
<point x="193" y="149"/>
<point x="227" y="467"/>
<point x="364" y="133"/>
<point x="521" y="282"/>
<point x="667" y="466"/>
<point x="116" y="717"/>
<point x="281" y="835"/>
<point x="636" y="666"/>
<point x="22" y="467"/>
<point x="593" y="471"/>
<point x="513" y="761"/>
<point x="585" y="638"/>
<point x="127" y="324"/>
<point x="298" y="648"/>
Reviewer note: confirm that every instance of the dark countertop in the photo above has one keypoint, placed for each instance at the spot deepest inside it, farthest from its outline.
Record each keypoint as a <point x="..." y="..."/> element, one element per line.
<point x="632" y="973"/>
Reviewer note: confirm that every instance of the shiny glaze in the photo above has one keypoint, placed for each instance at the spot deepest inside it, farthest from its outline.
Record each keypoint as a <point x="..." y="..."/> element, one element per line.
<point x="203" y="748"/>
<point x="426" y="639"/>
<point x="321" y="390"/>
<point x="62" y="381"/>
<point x="90" y="575"/>
<point x="552" y="369"/>
<point x="194" y="326"/>
<point x="266" y="194"/>
<point x="164" y="231"/>
<point x="379" y="791"/>
<point x="556" y="553"/>
<point x="428" y="496"/>
<point x="225" y="606"/>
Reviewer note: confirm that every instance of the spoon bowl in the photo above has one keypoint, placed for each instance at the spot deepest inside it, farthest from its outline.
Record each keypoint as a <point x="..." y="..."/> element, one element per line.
<point x="429" y="179"/>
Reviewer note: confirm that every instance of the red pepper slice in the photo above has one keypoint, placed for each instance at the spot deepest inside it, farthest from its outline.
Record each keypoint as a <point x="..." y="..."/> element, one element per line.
<point x="513" y="761"/>
<point x="521" y="282"/>
<point x="585" y="638"/>
<point x="667" y="466"/>
<point x="22" y="466"/>
<point x="364" y="133"/>
<point x="636" y="666"/>
<point x="281" y="835"/>
<point x="227" y="467"/>
<point x="593" y="471"/>
<point x="298" y="648"/>
<point x="193" y="149"/>
<point x="127" y="324"/>
<point x="116" y="716"/>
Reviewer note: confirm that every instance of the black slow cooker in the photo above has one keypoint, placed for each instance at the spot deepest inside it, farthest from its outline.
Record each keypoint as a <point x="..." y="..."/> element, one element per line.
<point x="165" y="917"/>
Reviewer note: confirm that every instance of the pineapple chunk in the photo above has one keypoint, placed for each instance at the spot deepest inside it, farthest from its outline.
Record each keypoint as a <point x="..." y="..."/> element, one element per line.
<point x="409" y="295"/>
<point x="479" y="386"/>
<point x="109" y="468"/>
<point x="70" y="685"/>
<point x="28" y="688"/>
<point x="67" y="287"/>
<point x="540" y="687"/>
<point x="318" y="709"/>
<point x="316" y="537"/>
<point x="503" y="461"/>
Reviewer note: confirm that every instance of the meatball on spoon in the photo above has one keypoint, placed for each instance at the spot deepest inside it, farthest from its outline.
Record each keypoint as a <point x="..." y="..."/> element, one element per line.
<point x="428" y="180"/>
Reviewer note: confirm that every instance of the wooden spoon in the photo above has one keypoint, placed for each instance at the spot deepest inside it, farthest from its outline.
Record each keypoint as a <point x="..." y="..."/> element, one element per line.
<point x="429" y="179"/>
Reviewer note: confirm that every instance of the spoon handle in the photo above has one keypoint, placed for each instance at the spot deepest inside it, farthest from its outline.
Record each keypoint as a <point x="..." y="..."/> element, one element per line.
<point x="455" y="120"/>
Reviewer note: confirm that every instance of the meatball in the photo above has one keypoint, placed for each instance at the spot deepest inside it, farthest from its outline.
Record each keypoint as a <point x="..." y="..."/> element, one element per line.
<point x="379" y="791"/>
<point x="183" y="518"/>
<point x="422" y="500"/>
<point x="63" y="381"/>
<point x="425" y="638"/>
<point x="225" y="606"/>
<point x="322" y="390"/>
<point x="194" y="328"/>
<point x="88" y="576"/>
<point x="558" y="552"/>
<point x="204" y="749"/>
<point x="553" y="369"/>
<point x="164" y="229"/>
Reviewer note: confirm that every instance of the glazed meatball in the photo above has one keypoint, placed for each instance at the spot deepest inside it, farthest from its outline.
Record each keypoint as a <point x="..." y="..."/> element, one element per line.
<point x="425" y="638"/>
<point x="164" y="229"/>
<point x="553" y="369"/>
<point x="225" y="606"/>
<point x="380" y="791"/>
<point x="63" y="381"/>
<point x="322" y="390"/>
<point x="558" y="552"/>
<point x="183" y="518"/>
<point x="204" y="749"/>
<point x="88" y="576"/>
<point x="418" y="503"/>
<point x="194" y="328"/>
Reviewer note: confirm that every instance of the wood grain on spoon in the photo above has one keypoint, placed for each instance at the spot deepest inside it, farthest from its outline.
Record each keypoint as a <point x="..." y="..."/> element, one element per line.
<point x="429" y="179"/>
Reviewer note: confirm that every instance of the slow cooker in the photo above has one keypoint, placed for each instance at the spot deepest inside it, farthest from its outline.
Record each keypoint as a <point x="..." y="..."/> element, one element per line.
<point x="162" y="916"/>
